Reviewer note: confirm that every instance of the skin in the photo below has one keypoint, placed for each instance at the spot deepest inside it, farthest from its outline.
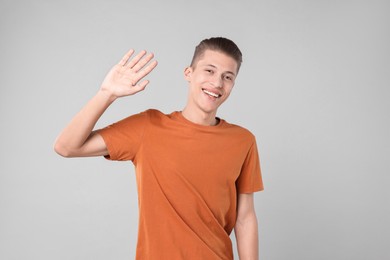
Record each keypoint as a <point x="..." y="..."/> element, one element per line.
<point x="246" y="228"/>
<point x="214" y="72"/>
<point x="124" y="79"/>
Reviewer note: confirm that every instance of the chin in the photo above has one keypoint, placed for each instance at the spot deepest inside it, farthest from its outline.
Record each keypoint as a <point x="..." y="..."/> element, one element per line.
<point x="209" y="110"/>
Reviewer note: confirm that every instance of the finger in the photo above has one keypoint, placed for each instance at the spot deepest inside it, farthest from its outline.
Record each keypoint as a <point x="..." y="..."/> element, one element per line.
<point x="141" y="86"/>
<point x="147" y="69"/>
<point x="136" y="59"/>
<point x="126" y="57"/>
<point x="143" y="62"/>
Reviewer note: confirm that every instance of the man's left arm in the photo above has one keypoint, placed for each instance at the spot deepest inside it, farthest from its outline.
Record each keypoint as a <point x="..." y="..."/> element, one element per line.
<point x="246" y="228"/>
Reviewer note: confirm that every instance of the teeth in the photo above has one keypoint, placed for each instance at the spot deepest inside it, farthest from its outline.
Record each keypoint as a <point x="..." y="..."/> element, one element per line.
<point x="210" y="93"/>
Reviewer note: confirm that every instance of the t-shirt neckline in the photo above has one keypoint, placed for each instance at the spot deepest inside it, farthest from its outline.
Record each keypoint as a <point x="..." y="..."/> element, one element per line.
<point x="177" y="115"/>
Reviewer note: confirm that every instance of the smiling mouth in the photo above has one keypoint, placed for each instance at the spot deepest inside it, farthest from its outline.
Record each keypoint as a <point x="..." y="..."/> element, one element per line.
<point x="212" y="94"/>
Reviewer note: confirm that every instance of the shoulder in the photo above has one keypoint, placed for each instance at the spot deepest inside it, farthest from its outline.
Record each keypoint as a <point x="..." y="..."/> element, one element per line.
<point x="154" y="114"/>
<point x="156" y="118"/>
<point x="240" y="131"/>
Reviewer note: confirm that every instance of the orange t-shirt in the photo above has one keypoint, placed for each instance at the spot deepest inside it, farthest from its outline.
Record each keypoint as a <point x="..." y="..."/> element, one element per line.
<point x="188" y="178"/>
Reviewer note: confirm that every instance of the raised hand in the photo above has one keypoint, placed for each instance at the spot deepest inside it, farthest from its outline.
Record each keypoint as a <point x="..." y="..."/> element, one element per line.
<point x="125" y="78"/>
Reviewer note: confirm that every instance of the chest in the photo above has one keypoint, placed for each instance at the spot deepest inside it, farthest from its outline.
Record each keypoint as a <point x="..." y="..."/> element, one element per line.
<point x="198" y="157"/>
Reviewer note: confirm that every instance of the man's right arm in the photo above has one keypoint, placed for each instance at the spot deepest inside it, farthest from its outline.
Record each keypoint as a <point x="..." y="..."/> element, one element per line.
<point x="124" y="79"/>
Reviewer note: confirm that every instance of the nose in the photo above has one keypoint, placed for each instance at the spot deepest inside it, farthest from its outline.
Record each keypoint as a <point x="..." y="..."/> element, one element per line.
<point x="217" y="81"/>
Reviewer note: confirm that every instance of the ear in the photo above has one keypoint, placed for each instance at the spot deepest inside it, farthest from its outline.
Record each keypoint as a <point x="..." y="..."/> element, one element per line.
<point x="188" y="73"/>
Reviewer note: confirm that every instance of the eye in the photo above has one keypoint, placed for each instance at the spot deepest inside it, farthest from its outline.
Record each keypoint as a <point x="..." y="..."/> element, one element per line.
<point x="229" y="78"/>
<point x="209" y="71"/>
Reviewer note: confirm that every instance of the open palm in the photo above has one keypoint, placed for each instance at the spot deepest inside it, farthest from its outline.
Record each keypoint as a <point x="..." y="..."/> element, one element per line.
<point x="125" y="78"/>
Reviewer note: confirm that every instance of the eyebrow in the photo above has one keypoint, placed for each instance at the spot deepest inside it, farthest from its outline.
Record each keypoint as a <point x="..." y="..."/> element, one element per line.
<point x="211" y="65"/>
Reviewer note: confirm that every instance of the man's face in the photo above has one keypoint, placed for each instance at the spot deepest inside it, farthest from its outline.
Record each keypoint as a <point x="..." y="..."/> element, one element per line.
<point x="211" y="80"/>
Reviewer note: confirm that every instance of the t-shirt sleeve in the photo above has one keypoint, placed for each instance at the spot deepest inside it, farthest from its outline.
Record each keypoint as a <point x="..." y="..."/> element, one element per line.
<point x="124" y="137"/>
<point x="250" y="179"/>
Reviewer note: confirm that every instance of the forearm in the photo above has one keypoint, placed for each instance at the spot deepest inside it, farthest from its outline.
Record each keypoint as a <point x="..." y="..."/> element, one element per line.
<point x="124" y="79"/>
<point x="247" y="237"/>
<point x="81" y="126"/>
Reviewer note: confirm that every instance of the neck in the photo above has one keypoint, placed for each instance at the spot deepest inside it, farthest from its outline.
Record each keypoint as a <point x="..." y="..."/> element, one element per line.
<point x="200" y="117"/>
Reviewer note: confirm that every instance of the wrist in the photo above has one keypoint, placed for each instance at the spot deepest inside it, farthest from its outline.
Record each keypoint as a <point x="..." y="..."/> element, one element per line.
<point x="106" y="95"/>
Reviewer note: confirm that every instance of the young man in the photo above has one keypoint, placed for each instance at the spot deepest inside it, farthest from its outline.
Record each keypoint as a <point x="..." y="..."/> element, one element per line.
<point x="195" y="172"/>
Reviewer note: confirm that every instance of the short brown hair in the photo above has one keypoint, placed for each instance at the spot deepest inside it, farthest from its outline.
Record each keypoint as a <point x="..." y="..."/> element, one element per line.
<point x="221" y="44"/>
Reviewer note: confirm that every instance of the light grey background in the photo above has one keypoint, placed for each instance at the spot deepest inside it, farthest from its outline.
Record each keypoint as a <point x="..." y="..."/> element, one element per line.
<point x="313" y="88"/>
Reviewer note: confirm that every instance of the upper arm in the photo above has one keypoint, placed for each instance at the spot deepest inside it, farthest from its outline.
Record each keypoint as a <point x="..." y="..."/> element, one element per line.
<point x="245" y="205"/>
<point x="93" y="146"/>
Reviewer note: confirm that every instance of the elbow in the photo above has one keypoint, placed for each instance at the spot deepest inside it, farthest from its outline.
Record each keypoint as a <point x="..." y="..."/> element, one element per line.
<point x="62" y="150"/>
<point x="249" y="218"/>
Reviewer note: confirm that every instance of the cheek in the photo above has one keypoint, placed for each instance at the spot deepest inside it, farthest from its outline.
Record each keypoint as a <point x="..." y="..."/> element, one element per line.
<point x="201" y="79"/>
<point x="229" y="89"/>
